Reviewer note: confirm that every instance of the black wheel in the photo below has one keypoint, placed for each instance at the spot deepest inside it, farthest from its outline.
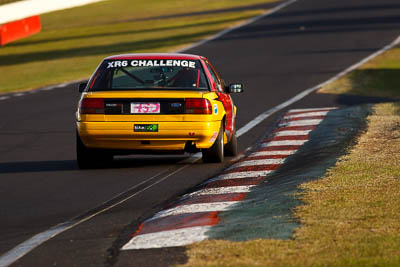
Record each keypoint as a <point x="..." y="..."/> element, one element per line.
<point x="231" y="148"/>
<point x="215" y="153"/>
<point x="88" y="158"/>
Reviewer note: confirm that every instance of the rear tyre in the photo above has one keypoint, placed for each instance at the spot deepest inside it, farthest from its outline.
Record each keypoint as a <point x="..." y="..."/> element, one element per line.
<point x="88" y="158"/>
<point x="215" y="154"/>
<point x="231" y="148"/>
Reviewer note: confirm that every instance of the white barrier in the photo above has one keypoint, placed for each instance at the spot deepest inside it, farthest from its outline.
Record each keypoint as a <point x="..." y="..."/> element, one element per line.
<point x="27" y="8"/>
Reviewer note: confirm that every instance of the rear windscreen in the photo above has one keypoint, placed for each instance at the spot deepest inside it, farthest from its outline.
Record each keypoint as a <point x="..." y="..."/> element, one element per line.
<point x="149" y="74"/>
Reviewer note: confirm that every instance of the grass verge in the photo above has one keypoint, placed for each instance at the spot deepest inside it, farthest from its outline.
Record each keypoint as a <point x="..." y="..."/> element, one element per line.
<point x="378" y="78"/>
<point x="74" y="41"/>
<point x="3" y="2"/>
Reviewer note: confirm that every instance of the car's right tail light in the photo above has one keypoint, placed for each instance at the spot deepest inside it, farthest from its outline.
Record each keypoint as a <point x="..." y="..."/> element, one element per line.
<point x="198" y="106"/>
<point x="91" y="106"/>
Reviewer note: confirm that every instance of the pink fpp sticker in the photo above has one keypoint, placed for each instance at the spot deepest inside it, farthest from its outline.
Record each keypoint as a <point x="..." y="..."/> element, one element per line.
<point x="145" y="108"/>
<point x="213" y="137"/>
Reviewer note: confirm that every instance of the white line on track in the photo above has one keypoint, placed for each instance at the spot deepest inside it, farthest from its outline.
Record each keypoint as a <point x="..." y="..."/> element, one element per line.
<point x="25" y="247"/>
<point x="195" y="208"/>
<point x="171" y="238"/>
<point x="61" y="85"/>
<point x="18" y="94"/>
<point x="48" y="88"/>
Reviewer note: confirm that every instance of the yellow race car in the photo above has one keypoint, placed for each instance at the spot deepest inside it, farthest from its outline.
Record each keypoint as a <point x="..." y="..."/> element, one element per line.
<point x="155" y="103"/>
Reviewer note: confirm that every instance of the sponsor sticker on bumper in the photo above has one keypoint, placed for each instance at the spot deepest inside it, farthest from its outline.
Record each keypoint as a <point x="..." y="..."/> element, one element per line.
<point x="145" y="128"/>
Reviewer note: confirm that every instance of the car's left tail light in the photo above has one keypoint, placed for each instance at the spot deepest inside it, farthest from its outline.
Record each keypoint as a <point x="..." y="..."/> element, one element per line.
<point x="91" y="106"/>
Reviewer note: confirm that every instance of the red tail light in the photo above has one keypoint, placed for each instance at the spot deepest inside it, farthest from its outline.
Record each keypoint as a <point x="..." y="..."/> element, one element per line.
<point x="198" y="106"/>
<point x="91" y="106"/>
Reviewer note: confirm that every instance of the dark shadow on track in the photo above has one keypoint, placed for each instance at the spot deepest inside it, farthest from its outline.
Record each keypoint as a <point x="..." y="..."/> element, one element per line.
<point x="38" y="166"/>
<point x="334" y="51"/>
<point x="71" y="165"/>
<point x="214" y="11"/>
<point x="315" y="27"/>
<point x="348" y="9"/>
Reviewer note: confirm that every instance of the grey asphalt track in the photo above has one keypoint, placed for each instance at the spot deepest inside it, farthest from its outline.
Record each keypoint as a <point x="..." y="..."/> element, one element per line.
<point x="276" y="58"/>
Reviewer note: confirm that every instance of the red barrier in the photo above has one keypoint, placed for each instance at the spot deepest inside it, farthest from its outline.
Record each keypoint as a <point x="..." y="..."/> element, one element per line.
<point x="19" y="29"/>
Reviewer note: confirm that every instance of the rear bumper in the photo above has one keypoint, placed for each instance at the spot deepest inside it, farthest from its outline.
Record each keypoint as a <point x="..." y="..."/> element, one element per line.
<point x="170" y="135"/>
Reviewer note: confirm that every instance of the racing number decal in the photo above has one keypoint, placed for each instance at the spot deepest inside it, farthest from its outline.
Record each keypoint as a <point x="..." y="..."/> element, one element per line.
<point x="145" y="107"/>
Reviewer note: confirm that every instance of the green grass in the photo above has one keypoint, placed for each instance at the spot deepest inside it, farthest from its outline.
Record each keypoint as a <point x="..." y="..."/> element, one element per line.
<point x="74" y="41"/>
<point x="3" y="2"/>
<point x="377" y="78"/>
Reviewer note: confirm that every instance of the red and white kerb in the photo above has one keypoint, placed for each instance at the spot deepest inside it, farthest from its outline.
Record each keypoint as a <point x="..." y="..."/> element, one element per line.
<point x="195" y="214"/>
